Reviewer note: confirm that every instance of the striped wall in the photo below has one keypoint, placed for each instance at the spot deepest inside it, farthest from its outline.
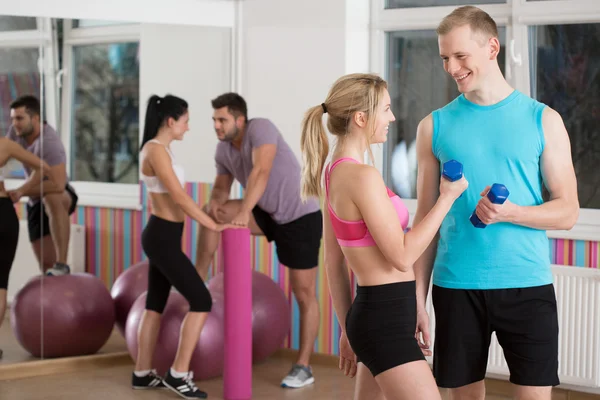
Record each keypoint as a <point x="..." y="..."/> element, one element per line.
<point x="577" y="253"/>
<point x="113" y="244"/>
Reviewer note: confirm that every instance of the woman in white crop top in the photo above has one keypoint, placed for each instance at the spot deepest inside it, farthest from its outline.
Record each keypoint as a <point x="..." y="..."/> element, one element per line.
<point x="167" y="120"/>
<point x="9" y="221"/>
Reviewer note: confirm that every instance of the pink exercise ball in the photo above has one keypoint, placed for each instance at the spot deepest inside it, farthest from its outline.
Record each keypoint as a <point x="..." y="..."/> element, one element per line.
<point x="271" y="315"/>
<point x="78" y="315"/>
<point x="130" y="284"/>
<point x="207" y="359"/>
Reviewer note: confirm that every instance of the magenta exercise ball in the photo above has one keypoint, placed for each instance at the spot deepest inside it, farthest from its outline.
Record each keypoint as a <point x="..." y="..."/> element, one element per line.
<point x="130" y="284"/>
<point x="270" y="314"/>
<point x="207" y="359"/>
<point x="75" y="312"/>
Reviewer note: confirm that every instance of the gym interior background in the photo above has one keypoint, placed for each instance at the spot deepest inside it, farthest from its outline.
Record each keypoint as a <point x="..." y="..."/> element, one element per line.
<point x="95" y="65"/>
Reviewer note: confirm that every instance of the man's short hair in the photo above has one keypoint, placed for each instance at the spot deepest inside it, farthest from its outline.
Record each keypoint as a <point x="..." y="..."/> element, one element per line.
<point x="478" y="20"/>
<point x="234" y="102"/>
<point x="30" y="102"/>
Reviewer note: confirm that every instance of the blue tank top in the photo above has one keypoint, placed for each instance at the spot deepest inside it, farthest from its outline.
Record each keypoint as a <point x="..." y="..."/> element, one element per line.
<point x="500" y="143"/>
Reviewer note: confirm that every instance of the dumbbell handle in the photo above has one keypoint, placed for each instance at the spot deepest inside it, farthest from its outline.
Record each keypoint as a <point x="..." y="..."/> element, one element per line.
<point x="497" y="194"/>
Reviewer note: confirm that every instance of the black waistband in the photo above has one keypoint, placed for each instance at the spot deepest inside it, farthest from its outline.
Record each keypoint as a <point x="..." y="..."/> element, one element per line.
<point x="388" y="291"/>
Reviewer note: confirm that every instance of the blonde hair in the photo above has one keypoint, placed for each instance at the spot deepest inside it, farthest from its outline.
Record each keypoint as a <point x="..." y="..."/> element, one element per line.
<point x="478" y="20"/>
<point x="350" y="94"/>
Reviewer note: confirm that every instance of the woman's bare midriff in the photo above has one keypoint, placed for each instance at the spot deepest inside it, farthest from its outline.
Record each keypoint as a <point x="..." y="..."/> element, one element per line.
<point x="369" y="265"/>
<point x="164" y="207"/>
<point x="3" y="190"/>
<point x="371" y="268"/>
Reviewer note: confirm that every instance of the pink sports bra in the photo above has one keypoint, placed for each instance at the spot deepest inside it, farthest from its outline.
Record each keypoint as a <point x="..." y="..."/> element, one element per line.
<point x="356" y="233"/>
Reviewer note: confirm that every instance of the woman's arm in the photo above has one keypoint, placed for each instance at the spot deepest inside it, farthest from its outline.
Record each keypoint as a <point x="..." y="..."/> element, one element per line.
<point x="337" y="273"/>
<point x="14" y="150"/>
<point x="378" y="212"/>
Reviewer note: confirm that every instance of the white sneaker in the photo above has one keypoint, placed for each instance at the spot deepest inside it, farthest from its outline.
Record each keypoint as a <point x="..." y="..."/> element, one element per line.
<point x="299" y="376"/>
<point x="58" y="269"/>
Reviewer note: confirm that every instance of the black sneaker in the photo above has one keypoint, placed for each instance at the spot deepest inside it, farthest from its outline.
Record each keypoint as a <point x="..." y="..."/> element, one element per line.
<point x="185" y="387"/>
<point x="150" y="381"/>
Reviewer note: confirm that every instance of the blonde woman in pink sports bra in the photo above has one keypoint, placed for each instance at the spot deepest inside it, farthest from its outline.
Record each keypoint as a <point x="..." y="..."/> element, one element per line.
<point x="364" y="224"/>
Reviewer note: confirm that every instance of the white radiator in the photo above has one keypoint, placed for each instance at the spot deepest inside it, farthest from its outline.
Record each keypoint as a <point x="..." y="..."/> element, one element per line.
<point x="26" y="265"/>
<point x="578" y="299"/>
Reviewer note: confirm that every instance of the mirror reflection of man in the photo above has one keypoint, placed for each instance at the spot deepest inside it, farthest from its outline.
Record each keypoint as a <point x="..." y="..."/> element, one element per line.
<point x="50" y="203"/>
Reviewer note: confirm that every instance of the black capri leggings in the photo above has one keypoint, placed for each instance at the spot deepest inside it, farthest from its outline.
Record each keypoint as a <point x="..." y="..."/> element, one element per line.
<point x="9" y="238"/>
<point x="169" y="266"/>
<point x="381" y="324"/>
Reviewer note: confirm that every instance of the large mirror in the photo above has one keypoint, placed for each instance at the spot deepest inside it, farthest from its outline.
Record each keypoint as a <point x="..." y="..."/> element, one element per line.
<point x="23" y="113"/>
<point x="79" y="265"/>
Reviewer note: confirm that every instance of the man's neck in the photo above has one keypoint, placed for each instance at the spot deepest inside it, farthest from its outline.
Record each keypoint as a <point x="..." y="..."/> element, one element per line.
<point x="33" y="137"/>
<point x="237" y="142"/>
<point x="493" y="91"/>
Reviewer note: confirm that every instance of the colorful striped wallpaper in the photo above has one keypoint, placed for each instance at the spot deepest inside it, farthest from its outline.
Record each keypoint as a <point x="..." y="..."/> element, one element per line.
<point x="113" y="244"/>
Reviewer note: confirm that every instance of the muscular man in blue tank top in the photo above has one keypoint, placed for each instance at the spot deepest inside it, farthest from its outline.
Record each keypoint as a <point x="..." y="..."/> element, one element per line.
<point x="495" y="279"/>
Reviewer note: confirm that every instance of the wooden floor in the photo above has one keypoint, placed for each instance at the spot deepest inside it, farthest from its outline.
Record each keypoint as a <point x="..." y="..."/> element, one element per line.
<point x="111" y="379"/>
<point x="114" y="383"/>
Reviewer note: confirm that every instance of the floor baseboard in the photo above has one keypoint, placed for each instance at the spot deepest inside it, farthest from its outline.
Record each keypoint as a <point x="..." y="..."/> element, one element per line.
<point x="62" y="365"/>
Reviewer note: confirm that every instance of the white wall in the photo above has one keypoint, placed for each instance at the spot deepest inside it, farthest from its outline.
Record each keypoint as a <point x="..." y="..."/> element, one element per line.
<point x="192" y="12"/>
<point x="289" y="54"/>
<point x="294" y="51"/>
<point x="194" y="63"/>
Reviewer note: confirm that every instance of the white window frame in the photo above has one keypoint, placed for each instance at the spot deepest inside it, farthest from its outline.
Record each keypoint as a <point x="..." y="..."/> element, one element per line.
<point x="516" y="16"/>
<point x="94" y="194"/>
<point x="41" y="38"/>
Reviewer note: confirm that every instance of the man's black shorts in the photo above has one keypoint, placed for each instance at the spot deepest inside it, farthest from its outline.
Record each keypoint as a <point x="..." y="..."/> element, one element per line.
<point x="526" y="324"/>
<point x="37" y="219"/>
<point x="298" y="242"/>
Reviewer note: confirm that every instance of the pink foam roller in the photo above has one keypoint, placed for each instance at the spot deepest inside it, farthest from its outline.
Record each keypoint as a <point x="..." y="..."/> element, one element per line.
<point x="237" y="271"/>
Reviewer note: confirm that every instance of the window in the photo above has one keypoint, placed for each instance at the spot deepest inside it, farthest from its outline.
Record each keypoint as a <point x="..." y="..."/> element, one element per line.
<point x="565" y="74"/>
<point x="548" y="52"/>
<point x="418" y="85"/>
<point x="14" y="23"/>
<point x="100" y="112"/>
<point x="432" y="3"/>
<point x="19" y="75"/>
<point x="21" y="43"/>
<point x="105" y="115"/>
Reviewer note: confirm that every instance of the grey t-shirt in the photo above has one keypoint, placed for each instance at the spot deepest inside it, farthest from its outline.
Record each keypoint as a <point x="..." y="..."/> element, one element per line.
<point x="281" y="198"/>
<point x="53" y="151"/>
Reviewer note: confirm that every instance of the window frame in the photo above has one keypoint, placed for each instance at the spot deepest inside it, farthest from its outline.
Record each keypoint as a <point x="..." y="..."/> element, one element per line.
<point x="41" y="38"/>
<point x="94" y="194"/>
<point x="516" y="16"/>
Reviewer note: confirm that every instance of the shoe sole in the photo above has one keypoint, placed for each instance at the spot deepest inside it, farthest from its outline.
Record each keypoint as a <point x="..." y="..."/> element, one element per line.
<point x="309" y="381"/>
<point x="148" y="388"/>
<point x="179" y="393"/>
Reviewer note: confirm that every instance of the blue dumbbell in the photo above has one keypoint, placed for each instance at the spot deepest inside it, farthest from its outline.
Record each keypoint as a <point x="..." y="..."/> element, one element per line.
<point x="452" y="170"/>
<point x="497" y="194"/>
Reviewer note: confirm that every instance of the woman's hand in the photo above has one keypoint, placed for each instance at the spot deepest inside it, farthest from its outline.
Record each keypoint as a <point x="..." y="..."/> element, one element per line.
<point x="347" y="357"/>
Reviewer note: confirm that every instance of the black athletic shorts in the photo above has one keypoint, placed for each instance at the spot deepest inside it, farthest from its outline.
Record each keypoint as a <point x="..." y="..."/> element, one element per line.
<point x="297" y="242"/>
<point x="526" y="324"/>
<point x="380" y="326"/>
<point x="37" y="219"/>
